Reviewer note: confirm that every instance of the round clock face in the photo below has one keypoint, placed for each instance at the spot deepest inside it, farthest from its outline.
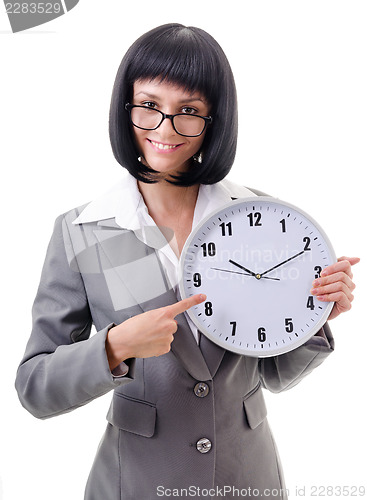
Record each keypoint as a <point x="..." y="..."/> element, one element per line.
<point x="256" y="259"/>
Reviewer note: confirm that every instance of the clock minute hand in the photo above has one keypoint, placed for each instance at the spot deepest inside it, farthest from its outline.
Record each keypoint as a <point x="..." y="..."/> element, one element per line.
<point x="284" y="262"/>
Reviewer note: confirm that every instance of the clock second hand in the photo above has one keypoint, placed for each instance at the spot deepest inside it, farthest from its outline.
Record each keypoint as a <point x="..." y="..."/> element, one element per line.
<point x="244" y="274"/>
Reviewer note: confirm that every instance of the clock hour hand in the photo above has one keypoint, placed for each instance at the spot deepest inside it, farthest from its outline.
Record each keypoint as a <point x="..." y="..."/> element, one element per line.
<point x="284" y="262"/>
<point x="241" y="267"/>
<point x="257" y="276"/>
<point x="244" y="274"/>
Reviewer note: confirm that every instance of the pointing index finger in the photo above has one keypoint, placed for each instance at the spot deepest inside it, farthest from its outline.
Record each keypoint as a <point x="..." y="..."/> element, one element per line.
<point x="185" y="304"/>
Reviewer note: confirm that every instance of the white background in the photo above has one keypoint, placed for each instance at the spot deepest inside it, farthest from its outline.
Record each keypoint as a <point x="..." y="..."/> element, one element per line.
<point x="300" y="68"/>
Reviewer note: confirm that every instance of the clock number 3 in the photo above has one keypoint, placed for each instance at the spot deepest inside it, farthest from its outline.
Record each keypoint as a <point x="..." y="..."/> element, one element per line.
<point x="317" y="270"/>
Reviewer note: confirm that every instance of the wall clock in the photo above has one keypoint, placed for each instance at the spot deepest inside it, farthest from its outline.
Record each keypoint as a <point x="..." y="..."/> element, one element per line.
<point x="256" y="259"/>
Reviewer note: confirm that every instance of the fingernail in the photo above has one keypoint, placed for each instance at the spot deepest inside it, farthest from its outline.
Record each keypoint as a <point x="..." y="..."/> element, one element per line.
<point x="323" y="273"/>
<point x="316" y="283"/>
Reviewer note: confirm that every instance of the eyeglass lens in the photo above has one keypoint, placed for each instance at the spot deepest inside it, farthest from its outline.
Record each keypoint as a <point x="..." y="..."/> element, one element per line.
<point x="150" y="119"/>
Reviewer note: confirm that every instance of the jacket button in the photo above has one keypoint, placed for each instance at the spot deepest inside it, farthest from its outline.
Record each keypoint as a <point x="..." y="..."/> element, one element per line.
<point x="203" y="445"/>
<point x="201" y="390"/>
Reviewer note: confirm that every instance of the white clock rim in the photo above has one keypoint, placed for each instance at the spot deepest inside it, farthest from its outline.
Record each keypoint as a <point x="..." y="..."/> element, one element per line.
<point x="251" y="353"/>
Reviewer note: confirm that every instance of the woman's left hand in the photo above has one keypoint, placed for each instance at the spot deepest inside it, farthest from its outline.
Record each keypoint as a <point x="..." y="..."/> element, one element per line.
<point x="335" y="285"/>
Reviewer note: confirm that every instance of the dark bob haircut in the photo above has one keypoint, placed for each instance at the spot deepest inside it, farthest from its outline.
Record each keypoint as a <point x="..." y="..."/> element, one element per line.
<point x="191" y="58"/>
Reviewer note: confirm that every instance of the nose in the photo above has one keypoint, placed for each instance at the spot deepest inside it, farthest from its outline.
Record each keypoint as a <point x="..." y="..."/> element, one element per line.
<point x="166" y="127"/>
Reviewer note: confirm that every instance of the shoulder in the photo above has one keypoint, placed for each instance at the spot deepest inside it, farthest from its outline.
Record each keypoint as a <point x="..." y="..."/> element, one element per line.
<point x="238" y="191"/>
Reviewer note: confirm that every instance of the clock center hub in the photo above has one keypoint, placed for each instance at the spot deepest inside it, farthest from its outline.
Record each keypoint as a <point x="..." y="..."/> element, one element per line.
<point x="257" y="276"/>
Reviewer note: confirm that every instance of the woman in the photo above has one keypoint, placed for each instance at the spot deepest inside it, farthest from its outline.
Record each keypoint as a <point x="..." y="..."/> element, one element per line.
<point x="187" y="417"/>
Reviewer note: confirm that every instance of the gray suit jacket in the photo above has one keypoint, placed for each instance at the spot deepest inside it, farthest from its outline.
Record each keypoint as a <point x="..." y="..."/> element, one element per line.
<point x="99" y="273"/>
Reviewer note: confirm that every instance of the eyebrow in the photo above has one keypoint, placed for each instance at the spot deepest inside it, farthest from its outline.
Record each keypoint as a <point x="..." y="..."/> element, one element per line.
<point x="188" y="99"/>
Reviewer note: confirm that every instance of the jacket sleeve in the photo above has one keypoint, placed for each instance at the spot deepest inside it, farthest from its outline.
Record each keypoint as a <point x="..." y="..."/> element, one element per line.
<point x="283" y="372"/>
<point x="63" y="367"/>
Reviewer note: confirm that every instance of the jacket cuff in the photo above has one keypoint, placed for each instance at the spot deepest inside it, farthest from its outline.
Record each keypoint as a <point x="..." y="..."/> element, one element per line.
<point x="323" y="338"/>
<point x="125" y="367"/>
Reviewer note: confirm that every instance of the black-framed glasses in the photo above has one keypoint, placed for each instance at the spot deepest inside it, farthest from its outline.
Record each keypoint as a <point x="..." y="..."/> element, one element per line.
<point x="183" y="124"/>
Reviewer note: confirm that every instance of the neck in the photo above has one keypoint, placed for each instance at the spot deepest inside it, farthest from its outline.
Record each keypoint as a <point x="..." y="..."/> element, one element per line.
<point x="164" y="198"/>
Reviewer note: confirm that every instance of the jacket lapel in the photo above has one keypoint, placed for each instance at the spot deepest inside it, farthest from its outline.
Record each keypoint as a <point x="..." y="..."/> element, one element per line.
<point x="212" y="353"/>
<point x="132" y="267"/>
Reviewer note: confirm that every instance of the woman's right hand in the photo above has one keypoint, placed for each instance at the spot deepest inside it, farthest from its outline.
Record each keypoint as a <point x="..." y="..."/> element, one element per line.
<point x="148" y="334"/>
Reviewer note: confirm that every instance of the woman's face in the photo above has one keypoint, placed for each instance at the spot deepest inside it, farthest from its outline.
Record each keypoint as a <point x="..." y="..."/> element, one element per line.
<point x="163" y="149"/>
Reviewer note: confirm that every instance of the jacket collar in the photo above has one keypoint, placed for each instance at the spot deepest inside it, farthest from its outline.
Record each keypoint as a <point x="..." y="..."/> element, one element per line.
<point x="121" y="203"/>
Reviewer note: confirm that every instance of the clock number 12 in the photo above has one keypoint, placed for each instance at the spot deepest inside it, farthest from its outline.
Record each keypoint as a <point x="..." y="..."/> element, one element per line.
<point x="255" y="219"/>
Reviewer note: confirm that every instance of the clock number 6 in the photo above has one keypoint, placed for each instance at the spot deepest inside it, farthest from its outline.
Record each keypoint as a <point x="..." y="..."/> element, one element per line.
<point x="261" y="335"/>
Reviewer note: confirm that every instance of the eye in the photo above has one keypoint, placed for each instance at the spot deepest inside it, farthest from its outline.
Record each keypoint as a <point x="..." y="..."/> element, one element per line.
<point x="188" y="110"/>
<point x="149" y="104"/>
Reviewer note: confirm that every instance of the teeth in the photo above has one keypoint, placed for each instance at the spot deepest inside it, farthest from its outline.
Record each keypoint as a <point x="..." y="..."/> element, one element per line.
<point x="162" y="146"/>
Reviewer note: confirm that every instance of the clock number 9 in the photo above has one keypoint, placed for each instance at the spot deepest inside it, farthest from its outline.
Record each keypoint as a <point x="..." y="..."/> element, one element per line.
<point x="197" y="279"/>
<point x="261" y="335"/>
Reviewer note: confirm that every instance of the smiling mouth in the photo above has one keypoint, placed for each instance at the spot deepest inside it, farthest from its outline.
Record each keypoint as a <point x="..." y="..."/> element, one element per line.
<point x="164" y="147"/>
